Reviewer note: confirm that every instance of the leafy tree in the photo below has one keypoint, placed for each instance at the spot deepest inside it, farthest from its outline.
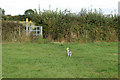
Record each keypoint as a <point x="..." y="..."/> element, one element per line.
<point x="29" y="13"/>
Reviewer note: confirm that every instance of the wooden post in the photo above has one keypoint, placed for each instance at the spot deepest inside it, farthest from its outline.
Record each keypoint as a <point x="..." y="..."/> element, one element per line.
<point x="19" y="30"/>
<point x="86" y="35"/>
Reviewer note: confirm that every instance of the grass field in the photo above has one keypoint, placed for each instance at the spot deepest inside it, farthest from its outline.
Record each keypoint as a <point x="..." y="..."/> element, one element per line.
<point x="33" y="60"/>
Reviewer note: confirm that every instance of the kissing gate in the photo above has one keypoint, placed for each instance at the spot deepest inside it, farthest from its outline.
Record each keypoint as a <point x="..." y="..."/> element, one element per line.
<point x="37" y="30"/>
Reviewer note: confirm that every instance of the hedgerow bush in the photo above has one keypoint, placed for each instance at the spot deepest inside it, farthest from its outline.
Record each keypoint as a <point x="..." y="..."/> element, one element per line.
<point x="12" y="31"/>
<point x="84" y="26"/>
<point x="64" y="26"/>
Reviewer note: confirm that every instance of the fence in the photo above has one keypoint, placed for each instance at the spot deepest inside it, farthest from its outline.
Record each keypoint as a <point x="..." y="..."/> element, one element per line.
<point x="37" y="30"/>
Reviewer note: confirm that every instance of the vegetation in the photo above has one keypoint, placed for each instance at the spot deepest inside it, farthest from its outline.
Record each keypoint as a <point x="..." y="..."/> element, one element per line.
<point x="29" y="13"/>
<point x="64" y="26"/>
<point x="12" y="31"/>
<point x="33" y="60"/>
<point x="84" y="26"/>
<point x="47" y="58"/>
<point x="15" y="18"/>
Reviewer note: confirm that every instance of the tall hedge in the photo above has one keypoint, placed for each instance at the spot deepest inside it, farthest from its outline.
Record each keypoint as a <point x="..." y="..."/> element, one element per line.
<point x="84" y="26"/>
<point x="12" y="31"/>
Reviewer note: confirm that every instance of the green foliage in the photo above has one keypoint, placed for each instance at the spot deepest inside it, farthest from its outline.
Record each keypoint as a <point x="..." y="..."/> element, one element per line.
<point x="29" y="13"/>
<point x="15" y="18"/>
<point x="33" y="60"/>
<point x="43" y="41"/>
<point x="12" y="31"/>
<point x="38" y="39"/>
<point x="64" y="26"/>
<point x="84" y="26"/>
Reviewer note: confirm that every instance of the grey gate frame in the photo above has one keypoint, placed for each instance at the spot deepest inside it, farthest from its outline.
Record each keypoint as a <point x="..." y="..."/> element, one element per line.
<point x="37" y="30"/>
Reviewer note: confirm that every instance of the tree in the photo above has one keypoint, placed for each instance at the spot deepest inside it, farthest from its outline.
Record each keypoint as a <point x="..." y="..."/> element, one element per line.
<point x="29" y="13"/>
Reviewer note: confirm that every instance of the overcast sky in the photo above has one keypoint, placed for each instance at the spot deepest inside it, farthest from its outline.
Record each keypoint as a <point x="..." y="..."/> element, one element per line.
<point x="15" y="7"/>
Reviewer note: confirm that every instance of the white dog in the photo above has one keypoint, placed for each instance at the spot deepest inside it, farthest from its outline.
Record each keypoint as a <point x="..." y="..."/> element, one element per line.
<point x="69" y="52"/>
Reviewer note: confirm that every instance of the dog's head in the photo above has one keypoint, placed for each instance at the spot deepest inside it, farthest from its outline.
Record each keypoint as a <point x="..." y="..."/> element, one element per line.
<point x="67" y="49"/>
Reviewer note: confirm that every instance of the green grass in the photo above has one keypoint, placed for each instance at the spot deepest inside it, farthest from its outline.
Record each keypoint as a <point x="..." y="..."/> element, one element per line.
<point x="32" y="60"/>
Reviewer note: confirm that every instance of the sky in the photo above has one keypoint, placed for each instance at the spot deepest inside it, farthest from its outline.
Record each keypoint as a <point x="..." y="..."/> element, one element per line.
<point x="16" y="7"/>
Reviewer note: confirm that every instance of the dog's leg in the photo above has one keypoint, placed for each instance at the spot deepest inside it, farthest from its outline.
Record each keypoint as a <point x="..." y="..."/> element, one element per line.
<point x="68" y="53"/>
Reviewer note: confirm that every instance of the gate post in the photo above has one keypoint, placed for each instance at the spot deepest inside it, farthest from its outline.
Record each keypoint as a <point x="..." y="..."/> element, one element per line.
<point x="26" y="26"/>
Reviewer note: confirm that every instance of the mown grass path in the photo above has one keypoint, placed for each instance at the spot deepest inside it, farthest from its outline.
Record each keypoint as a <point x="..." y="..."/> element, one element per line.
<point x="32" y="60"/>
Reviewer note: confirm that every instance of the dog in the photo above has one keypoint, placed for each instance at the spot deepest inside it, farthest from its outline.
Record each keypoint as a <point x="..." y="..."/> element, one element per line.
<point x="69" y="52"/>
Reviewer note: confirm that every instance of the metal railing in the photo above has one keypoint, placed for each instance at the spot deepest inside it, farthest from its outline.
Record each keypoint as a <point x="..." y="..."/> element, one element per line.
<point x="37" y="30"/>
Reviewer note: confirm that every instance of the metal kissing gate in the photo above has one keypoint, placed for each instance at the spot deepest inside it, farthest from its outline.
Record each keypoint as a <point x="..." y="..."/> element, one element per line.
<point x="37" y="30"/>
